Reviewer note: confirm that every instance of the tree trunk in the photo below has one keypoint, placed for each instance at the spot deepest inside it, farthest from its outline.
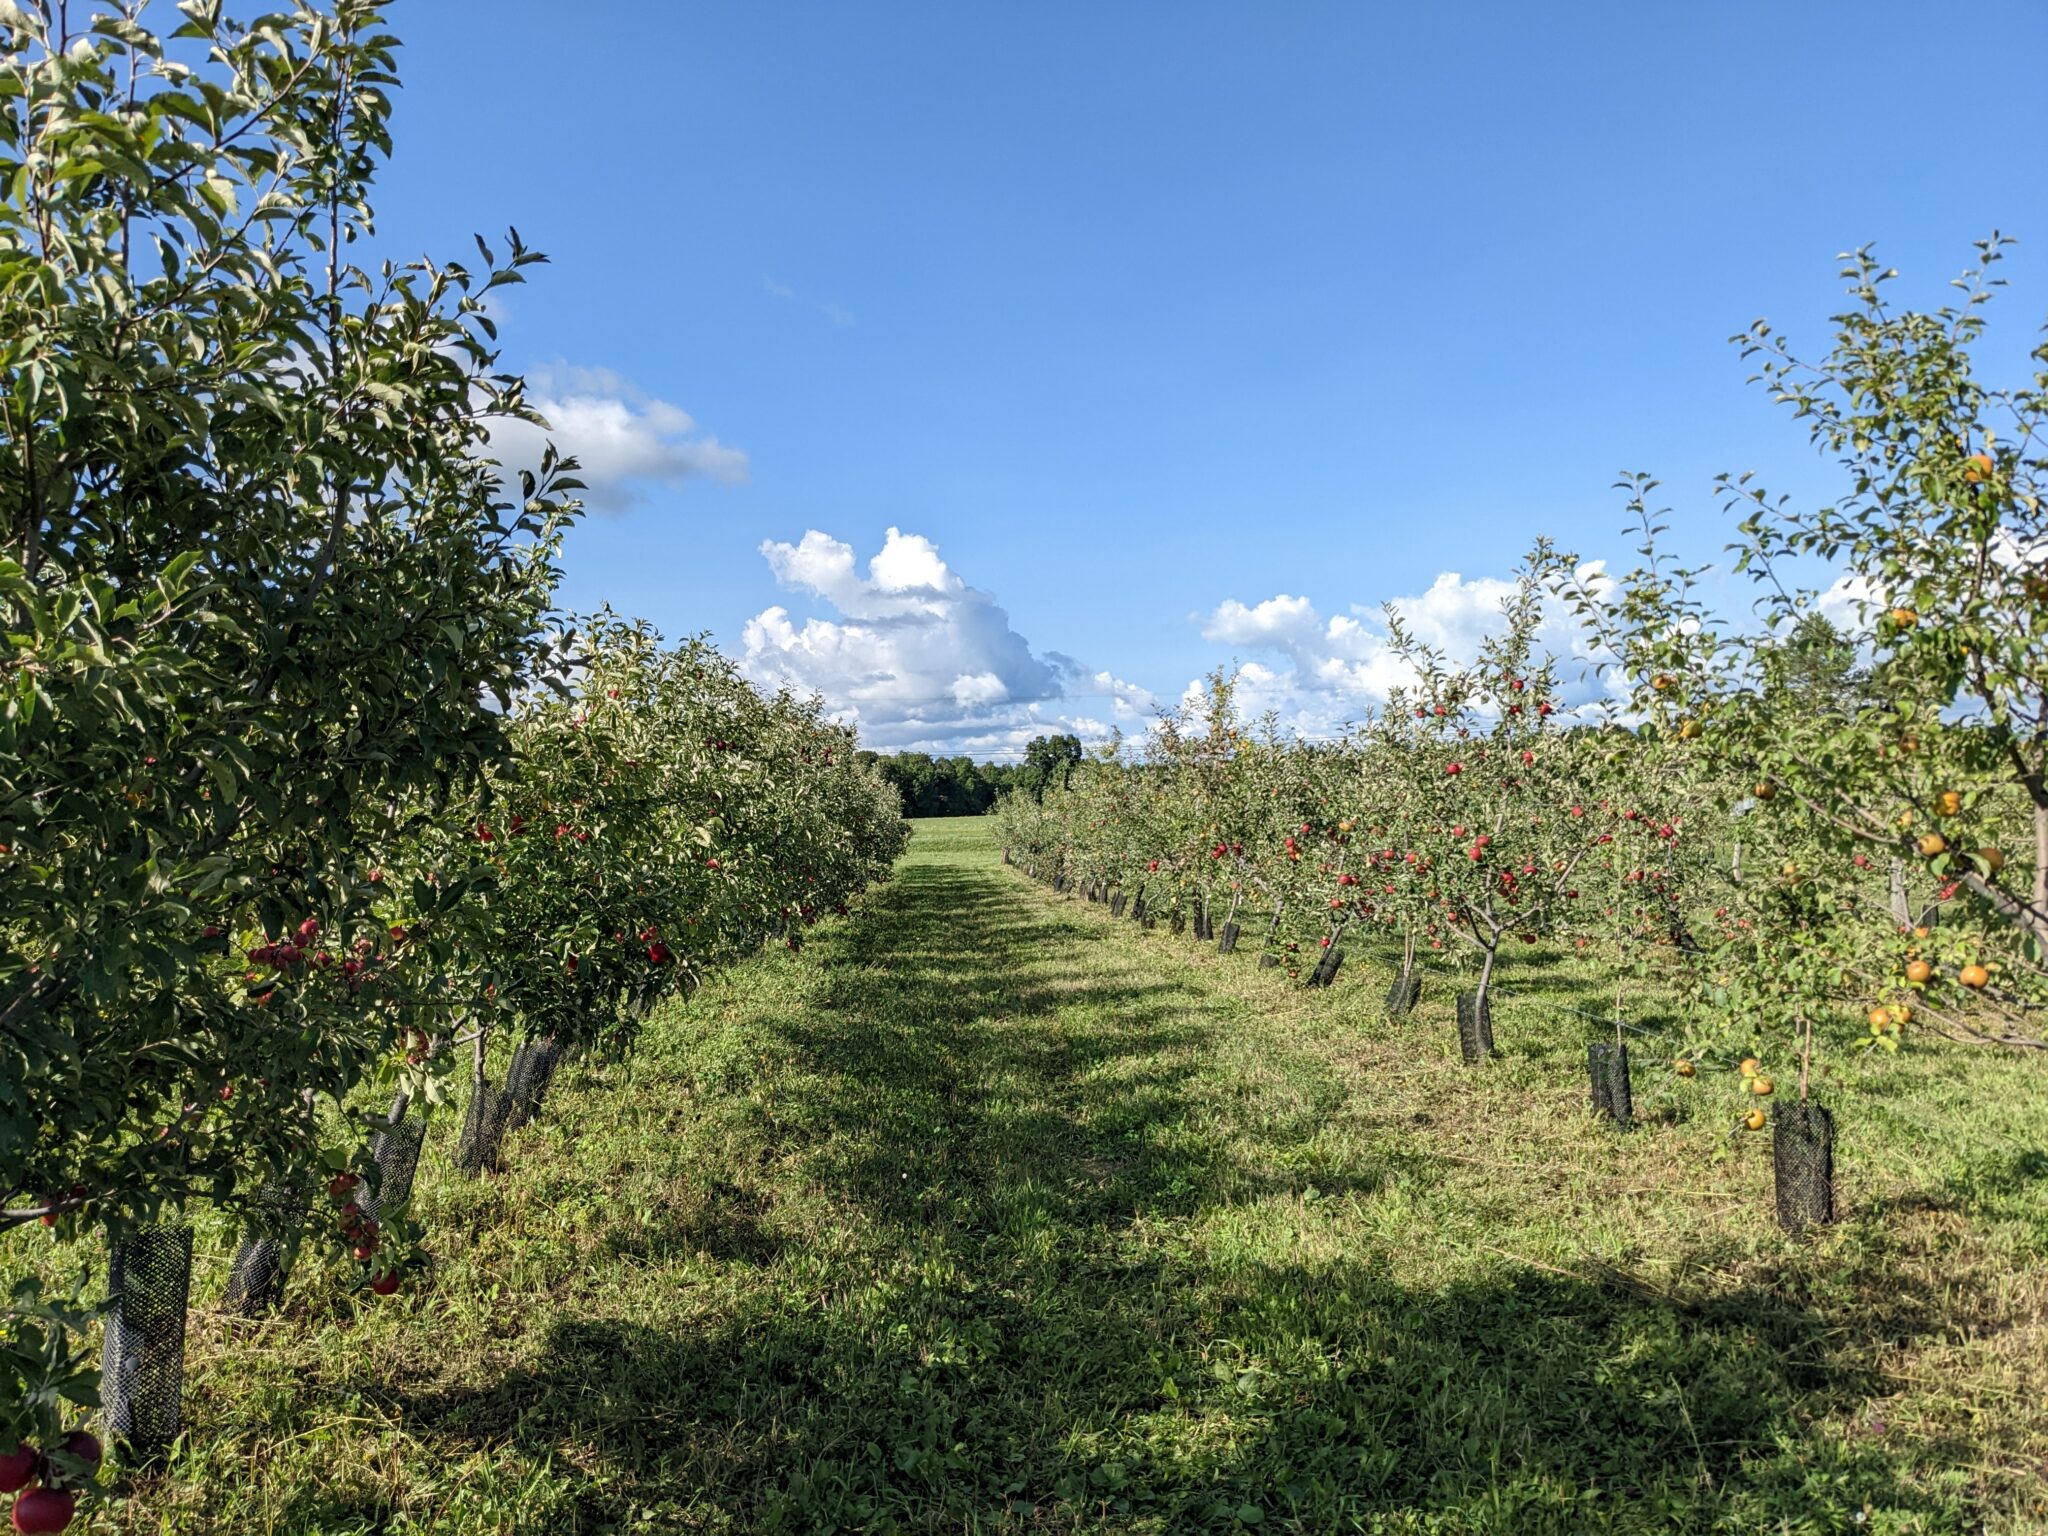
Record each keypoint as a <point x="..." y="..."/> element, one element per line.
<point x="1406" y="990"/>
<point x="1475" y="1016"/>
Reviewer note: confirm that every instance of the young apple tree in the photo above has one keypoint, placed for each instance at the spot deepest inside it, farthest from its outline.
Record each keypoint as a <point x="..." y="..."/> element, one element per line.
<point x="1935" y="559"/>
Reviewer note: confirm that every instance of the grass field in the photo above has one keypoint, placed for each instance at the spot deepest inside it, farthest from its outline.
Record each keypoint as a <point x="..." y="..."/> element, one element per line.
<point x="987" y="1213"/>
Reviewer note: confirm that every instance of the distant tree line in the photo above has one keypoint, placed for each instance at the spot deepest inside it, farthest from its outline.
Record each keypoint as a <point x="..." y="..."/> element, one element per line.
<point x="959" y="786"/>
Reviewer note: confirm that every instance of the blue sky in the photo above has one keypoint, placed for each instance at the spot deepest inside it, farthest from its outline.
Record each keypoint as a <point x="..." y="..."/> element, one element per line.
<point x="1134" y="319"/>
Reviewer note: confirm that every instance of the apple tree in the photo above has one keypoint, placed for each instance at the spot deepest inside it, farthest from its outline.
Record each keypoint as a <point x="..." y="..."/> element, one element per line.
<point x="1933" y="561"/>
<point x="263" y="589"/>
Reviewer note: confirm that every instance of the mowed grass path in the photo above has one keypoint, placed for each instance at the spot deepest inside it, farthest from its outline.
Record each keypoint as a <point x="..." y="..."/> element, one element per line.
<point x="986" y="1213"/>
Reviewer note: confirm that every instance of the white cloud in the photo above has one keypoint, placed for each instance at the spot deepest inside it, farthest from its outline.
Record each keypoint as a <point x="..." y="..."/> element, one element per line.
<point x="979" y="688"/>
<point x="1338" y="668"/>
<point x="1127" y="701"/>
<point x="914" y="657"/>
<point x="625" y="440"/>
<point x="1846" y="602"/>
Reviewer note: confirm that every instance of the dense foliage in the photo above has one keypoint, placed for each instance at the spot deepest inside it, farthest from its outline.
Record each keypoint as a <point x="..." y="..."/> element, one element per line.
<point x="944" y="786"/>
<point x="959" y="786"/>
<point x="298" y="777"/>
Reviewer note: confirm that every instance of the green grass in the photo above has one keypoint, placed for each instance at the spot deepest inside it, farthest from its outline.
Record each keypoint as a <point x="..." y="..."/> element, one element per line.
<point x="989" y="1214"/>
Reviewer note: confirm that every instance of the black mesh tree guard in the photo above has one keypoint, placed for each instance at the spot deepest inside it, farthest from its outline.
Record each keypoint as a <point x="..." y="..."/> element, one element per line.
<point x="533" y="1069"/>
<point x="263" y="1262"/>
<point x="1268" y="960"/>
<point x="1059" y="885"/>
<point x="1202" y="933"/>
<point x="1177" y="922"/>
<point x="518" y="1072"/>
<point x="1138" y="909"/>
<point x="1803" y="1158"/>
<point x="483" y="1127"/>
<point x="149" y="1281"/>
<point x="1403" y="995"/>
<point x="1116" y="904"/>
<point x="1226" y="941"/>
<point x="1607" y="1075"/>
<point x="395" y="1146"/>
<point x="1326" y="968"/>
<point x="1475" y="1027"/>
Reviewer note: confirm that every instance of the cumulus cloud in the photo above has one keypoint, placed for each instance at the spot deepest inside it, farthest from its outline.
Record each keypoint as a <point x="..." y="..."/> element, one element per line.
<point x="1846" y="603"/>
<point x="1340" y="667"/>
<point x="626" y="441"/>
<point x="914" y="657"/>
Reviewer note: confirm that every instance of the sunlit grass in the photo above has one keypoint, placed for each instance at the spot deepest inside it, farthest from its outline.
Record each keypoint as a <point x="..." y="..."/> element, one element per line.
<point x="987" y="1213"/>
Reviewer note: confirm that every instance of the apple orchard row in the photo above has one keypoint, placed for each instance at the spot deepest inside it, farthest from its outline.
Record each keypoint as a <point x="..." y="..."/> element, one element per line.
<point x="307" y="791"/>
<point x="1686" y="862"/>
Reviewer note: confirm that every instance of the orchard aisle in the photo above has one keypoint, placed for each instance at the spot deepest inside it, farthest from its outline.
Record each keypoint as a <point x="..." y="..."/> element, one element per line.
<point x="987" y="1213"/>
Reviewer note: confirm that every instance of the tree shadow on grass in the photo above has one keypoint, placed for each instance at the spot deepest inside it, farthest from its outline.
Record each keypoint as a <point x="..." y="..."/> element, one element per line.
<point x="1129" y="1393"/>
<point x="1031" y="1320"/>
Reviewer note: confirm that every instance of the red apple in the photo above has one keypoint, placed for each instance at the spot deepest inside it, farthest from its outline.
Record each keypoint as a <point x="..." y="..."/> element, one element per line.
<point x="18" y="1467"/>
<point x="44" y="1511"/>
